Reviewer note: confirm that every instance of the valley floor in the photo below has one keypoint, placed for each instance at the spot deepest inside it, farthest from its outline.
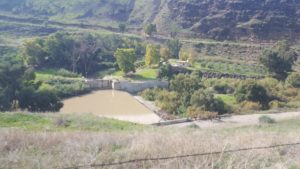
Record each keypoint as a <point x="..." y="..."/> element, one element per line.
<point x="62" y="141"/>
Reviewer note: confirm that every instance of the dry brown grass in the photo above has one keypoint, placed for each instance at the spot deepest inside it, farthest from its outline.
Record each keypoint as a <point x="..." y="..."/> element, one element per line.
<point x="19" y="149"/>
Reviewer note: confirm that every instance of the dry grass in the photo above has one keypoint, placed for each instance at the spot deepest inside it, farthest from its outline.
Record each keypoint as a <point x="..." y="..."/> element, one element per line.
<point x="21" y="149"/>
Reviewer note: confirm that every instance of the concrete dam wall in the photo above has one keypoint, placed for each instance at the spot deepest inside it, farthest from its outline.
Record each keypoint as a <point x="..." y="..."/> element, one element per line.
<point x="128" y="86"/>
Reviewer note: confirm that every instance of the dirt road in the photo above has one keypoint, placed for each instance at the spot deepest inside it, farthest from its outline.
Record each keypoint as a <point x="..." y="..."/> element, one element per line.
<point x="240" y="120"/>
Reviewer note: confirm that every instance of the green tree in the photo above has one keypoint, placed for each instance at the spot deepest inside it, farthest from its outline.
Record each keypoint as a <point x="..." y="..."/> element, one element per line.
<point x="149" y="29"/>
<point x="279" y="59"/>
<point x="152" y="55"/>
<point x="185" y="86"/>
<point x="35" y="100"/>
<point x="205" y="100"/>
<point x="122" y="27"/>
<point x="165" y="53"/>
<point x="125" y="59"/>
<point x="11" y="77"/>
<point x="165" y="72"/>
<point x="251" y="91"/>
<point x="17" y="85"/>
<point x="168" y="101"/>
<point x="174" y="46"/>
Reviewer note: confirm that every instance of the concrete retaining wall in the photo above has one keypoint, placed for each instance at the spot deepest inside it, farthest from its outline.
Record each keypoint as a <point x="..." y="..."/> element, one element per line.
<point x="99" y="83"/>
<point x="131" y="87"/>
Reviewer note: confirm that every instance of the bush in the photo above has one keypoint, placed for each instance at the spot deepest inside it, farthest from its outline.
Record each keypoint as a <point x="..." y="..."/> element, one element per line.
<point x="291" y="92"/>
<point x="165" y="72"/>
<point x="197" y="113"/>
<point x="271" y="85"/>
<point x="251" y="91"/>
<point x="150" y="94"/>
<point x="293" y="80"/>
<point x="276" y="104"/>
<point x="205" y="100"/>
<point x="66" y="73"/>
<point x="168" y="101"/>
<point x="223" y="88"/>
<point x="248" y="105"/>
<point x="266" y="120"/>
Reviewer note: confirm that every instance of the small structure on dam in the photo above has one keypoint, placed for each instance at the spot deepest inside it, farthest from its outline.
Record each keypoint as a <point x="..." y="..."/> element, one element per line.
<point x="124" y="85"/>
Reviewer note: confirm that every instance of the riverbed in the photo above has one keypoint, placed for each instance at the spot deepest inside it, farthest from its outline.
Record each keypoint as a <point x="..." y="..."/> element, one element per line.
<point x="111" y="104"/>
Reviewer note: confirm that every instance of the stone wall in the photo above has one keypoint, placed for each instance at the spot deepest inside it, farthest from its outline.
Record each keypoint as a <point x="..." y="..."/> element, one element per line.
<point x="99" y="83"/>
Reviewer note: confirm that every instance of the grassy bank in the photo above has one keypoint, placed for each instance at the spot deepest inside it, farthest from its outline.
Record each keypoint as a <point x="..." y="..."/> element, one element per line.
<point x="63" y="122"/>
<point x="73" y="146"/>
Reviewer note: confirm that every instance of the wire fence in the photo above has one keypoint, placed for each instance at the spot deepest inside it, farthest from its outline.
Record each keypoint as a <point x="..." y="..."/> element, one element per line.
<point x="180" y="156"/>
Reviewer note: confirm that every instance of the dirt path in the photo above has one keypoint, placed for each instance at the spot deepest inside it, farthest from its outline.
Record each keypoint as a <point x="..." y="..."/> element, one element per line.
<point x="240" y="120"/>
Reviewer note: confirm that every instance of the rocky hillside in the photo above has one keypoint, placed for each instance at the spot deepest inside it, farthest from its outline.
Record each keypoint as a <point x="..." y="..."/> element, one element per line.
<point x="235" y="19"/>
<point x="216" y="19"/>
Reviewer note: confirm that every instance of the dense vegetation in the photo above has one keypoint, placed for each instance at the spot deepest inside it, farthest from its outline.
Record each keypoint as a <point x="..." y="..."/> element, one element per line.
<point x="18" y="89"/>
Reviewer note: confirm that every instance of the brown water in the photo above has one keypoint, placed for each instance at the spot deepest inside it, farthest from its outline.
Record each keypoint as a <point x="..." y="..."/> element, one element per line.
<point x="113" y="104"/>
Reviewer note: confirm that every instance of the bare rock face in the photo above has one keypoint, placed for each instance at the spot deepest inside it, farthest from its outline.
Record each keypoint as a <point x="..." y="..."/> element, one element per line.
<point x="236" y="19"/>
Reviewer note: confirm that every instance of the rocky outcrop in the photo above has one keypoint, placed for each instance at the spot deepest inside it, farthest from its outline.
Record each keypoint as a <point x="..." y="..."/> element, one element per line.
<point x="228" y="19"/>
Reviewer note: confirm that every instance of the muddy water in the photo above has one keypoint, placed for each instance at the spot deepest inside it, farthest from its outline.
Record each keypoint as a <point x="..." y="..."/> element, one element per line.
<point x="112" y="104"/>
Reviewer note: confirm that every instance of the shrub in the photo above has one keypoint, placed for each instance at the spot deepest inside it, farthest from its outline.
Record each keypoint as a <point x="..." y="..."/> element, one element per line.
<point x="223" y="88"/>
<point x="205" y="100"/>
<point x="291" y="92"/>
<point x="198" y="113"/>
<point x="266" y="120"/>
<point x="293" y="80"/>
<point x="165" y="72"/>
<point x="251" y="91"/>
<point x="66" y="73"/>
<point x="248" y="105"/>
<point x="276" y="104"/>
<point x="150" y="94"/>
<point x="168" y="101"/>
<point x="271" y="85"/>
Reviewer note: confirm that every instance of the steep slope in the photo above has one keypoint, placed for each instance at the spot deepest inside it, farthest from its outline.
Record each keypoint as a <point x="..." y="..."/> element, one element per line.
<point x="104" y="12"/>
<point x="234" y="19"/>
<point x="215" y="19"/>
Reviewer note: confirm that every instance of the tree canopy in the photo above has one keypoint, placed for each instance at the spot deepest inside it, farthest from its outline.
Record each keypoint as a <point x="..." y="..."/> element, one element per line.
<point x="18" y="88"/>
<point x="149" y="29"/>
<point x="152" y="55"/>
<point x="126" y="59"/>
<point x="174" y="46"/>
<point x="279" y="59"/>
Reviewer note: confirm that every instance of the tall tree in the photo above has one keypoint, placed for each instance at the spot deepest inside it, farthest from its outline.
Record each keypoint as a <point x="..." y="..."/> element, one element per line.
<point x="152" y="55"/>
<point x="174" y="46"/>
<point x="165" y="53"/>
<point x="279" y="59"/>
<point x="126" y="59"/>
<point x="122" y="27"/>
<point x="149" y="29"/>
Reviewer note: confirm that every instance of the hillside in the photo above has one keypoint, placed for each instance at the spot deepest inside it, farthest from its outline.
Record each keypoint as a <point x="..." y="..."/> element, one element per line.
<point x="219" y="19"/>
<point x="227" y="19"/>
<point x="103" y="12"/>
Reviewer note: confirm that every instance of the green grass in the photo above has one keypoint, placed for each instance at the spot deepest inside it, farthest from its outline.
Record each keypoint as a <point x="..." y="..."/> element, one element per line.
<point x="145" y="74"/>
<point x="228" y="99"/>
<point x="231" y="68"/>
<point x="63" y="122"/>
<point x="140" y="75"/>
